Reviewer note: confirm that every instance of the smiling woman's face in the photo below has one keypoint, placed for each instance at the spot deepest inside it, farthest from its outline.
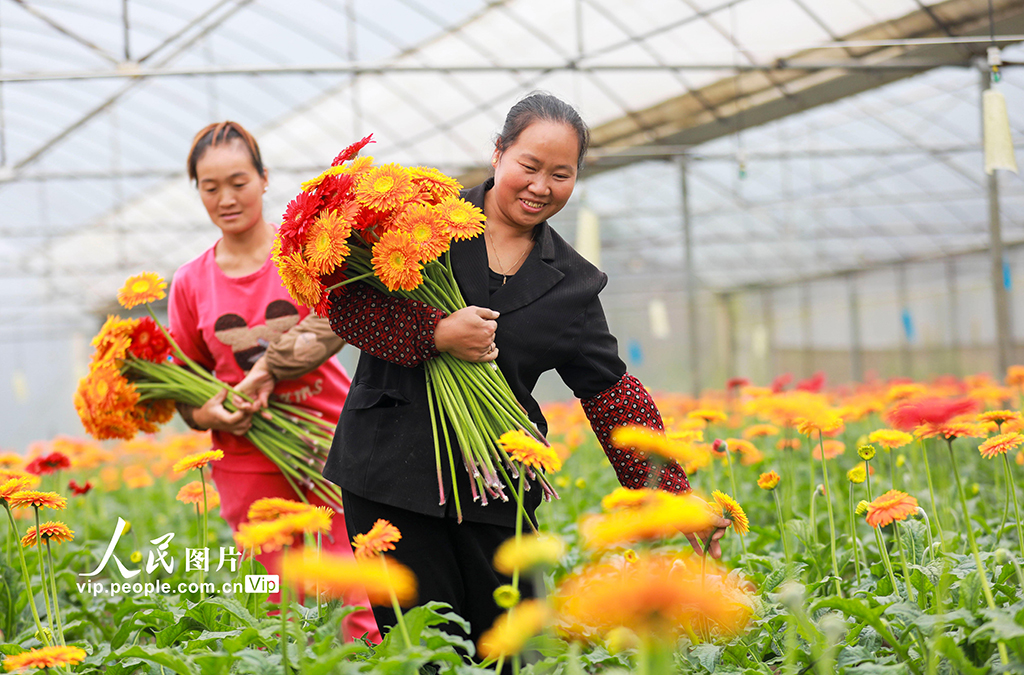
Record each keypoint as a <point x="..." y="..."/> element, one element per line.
<point x="535" y="176"/>
<point x="231" y="189"/>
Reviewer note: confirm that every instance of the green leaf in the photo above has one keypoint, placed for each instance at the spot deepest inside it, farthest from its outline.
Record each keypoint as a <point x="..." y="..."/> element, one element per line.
<point x="948" y="647"/>
<point x="877" y="669"/>
<point x="971" y="591"/>
<point x="707" y="655"/>
<point x="914" y="536"/>
<point x="176" y="633"/>
<point x="157" y="655"/>
<point x="1001" y="625"/>
<point x="772" y="581"/>
<point x="251" y="638"/>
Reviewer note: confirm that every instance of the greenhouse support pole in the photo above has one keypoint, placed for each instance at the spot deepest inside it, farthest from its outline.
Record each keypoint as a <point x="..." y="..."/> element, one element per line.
<point x="902" y="298"/>
<point x="691" y="278"/>
<point x="1002" y="305"/>
<point x="856" y="345"/>
<point x="807" y="327"/>
<point x="768" y="317"/>
<point x="955" y="344"/>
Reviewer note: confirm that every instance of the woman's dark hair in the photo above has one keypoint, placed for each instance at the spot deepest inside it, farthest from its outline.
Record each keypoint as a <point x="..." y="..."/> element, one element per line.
<point x="222" y="133"/>
<point x="542" y="106"/>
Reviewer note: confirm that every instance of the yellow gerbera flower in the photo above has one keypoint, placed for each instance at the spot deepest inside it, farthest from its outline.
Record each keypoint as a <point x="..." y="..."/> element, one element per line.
<point x="768" y="481"/>
<point x="381" y="537"/>
<point x="531" y="551"/>
<point x="327" y="241"/>
<point x="709" y="415"/>
<point x="271" y="508"/>
<point x="335" y="576"/>
<point x="49" y="500"/>
<point x="730" y="508"/>
<point x="197" y="461"/>
<point x="650" y="441"/>
<point x="141" y="289"/>
<point x="396" y="261"/>
<point x="464" y="221"/>
<point x="890" y="438"/>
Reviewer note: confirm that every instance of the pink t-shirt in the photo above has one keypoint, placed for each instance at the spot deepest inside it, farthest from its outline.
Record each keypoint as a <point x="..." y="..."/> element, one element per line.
<point x="226" y="323"/>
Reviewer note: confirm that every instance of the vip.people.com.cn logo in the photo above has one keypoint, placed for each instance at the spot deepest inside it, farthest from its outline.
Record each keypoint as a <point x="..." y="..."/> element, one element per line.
<point x="262" y="583"/>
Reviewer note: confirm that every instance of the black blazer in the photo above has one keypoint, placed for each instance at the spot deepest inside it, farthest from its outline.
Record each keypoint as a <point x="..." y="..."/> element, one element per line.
<point x="551" y="319"/>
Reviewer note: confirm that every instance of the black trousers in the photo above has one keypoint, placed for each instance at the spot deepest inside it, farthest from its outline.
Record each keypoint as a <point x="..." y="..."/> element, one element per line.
<point x="452" y="562"/>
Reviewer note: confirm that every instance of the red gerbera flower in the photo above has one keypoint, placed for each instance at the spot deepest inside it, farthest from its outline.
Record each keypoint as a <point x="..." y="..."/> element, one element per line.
<point x="352" y="150"/>
<point x="77" y="489"/>
<point x="42" y="466"/>
<point x="813" y="384"/>
<point x="780" y="382"/>
<point x="149" y="342"/>
<point x="929" y="410"/>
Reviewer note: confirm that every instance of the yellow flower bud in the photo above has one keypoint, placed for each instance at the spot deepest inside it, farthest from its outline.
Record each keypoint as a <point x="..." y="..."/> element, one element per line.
<point x="630" y="555"/>
<point x="866" y="452"/>
<point x="136" y="556"/>
<point x="862" y="507"/>
<point x="127" y="527"/>
<point x="506" y="596"/>
<point x="857" y="474"/>
<point x="620" y="639"/>
<point x="581" y="483"/>
<point x="561" y="482"/>
<point x="975" y="489"/>
<point x="901" y="460"/>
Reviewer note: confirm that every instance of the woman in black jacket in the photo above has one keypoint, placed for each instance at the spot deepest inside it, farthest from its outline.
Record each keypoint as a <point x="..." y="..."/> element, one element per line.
<point x="533" y="307"/>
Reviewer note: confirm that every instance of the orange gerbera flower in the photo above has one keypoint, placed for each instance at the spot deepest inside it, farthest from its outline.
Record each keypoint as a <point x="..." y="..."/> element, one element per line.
<point x="271" y="508"/>
<point x="385" y="187"/>
<point x="135" y="476"/>
<point x="335" y="576"/>
<point x="768" y="481"/>
<point x="327" y="241"/>
<point x="463" y="220"/>
<point x="788" y="444"/>
<point x="436" y="184"/>
<point x="511" y="630"/>
<point x="760" y="430"/>
<point x="52" y="530"/>
<point x="833" y="449"/>
<point x="526" y="449"/>
<point x="427" y="231"/>
<point x="729" y="508"/>
<point x="893" y="505"/>
<point x="1015" y="376"/>
<point x="951" y="430"/>
<point x="890" y="438"/>
<point x="658" y="597"/>
<point x="141" y="289"/>
<point x="192" y="493"/>
<point x="999" y="445"/>
<point x="299" y="278"/>
<point x="381" y="537"/>
<point x="47" y="500"/>
<point x="396" y="261"/>
<point x="274" y="534"/>
<point x="626" y="498"/>
<point x="45" y="657"/>
<point x="197" y="460"/>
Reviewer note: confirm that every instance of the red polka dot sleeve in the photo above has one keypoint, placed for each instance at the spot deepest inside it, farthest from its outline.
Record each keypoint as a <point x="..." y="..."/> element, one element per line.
<point x="628" y="402"/>
<point x="393" y="329"/>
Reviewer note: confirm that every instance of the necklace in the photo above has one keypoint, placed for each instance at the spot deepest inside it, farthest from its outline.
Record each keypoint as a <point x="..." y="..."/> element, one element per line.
<point x="504" y="274"/>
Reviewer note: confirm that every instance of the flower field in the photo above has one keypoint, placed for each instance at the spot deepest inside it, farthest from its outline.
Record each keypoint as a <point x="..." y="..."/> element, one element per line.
<point x="873" y="530"/>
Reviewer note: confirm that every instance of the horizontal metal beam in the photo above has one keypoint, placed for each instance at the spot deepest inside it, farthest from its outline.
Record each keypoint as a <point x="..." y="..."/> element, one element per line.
<point x="133" y="71"/>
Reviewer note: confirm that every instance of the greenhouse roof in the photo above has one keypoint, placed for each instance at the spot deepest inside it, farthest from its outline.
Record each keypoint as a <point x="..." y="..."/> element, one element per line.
<point x="849" y="139"/>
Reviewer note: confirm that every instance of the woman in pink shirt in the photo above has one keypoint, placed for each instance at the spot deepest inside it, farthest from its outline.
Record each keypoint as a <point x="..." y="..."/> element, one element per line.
<point x="230" y="313"/>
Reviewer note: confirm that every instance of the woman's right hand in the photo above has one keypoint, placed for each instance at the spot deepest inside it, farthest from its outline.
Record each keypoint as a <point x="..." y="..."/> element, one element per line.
<point x="213" y="415"/>
<point x="468" y="334"/>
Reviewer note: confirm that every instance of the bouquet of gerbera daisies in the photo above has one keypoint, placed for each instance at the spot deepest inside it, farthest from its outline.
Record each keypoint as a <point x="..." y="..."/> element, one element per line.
<point x="392" y="227"/>
<point x="132" y="386"/>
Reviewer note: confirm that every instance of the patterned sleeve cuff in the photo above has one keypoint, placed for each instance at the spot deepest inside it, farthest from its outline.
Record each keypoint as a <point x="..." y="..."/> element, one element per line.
<point x="393" y="329"/>
<point x="628" y="402"/>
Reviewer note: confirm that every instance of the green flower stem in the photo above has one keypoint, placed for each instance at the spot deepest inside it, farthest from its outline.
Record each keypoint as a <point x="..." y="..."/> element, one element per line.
<point x="782" y="530"/>
<point x="519" y="526"/>
<point x="883" y="549"/>
<point x="735" y="493"/>
<point x="931" y="494"/>
<point x="28" y="580"/>
<point x="395" y="605"/>
<point x="831" y="518"/>
<point x="867" y="478"/>
<point x="284" y="628"/>
<point x="903" y="560"/>
<point x="205" y="534"/>
<point x="53" y="582"/>
<point x="1012" y="487"/>
<point x="42" y="574"/>
<point x="892" y="466"/>
<point x="982" y="571"/>
<point x="853" y="536"/>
